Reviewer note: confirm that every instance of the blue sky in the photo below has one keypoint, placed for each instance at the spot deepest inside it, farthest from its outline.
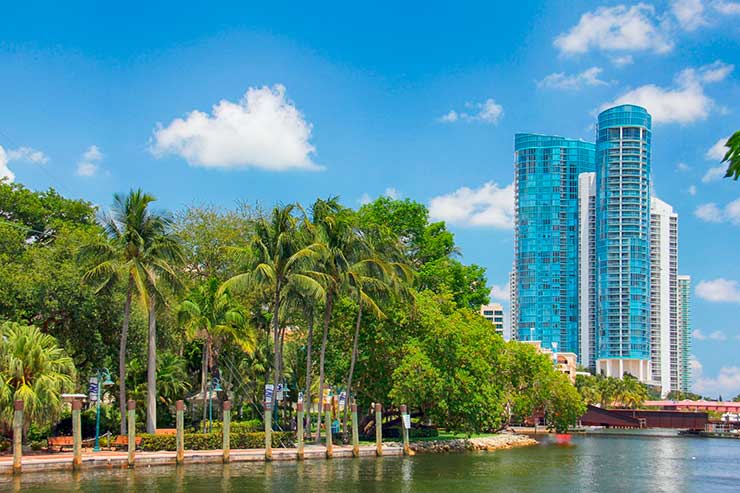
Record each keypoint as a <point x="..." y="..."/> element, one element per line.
<point x="271" y="102"/>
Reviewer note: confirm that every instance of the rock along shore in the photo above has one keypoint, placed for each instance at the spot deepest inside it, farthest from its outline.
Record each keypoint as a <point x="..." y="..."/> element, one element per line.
<point x="496" y="442"/>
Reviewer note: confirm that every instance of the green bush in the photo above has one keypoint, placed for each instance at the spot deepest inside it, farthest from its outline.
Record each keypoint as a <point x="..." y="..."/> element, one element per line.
<point x="213" y="441"/>
<point x="39" y="444"/>
<point x="251" y="426"/>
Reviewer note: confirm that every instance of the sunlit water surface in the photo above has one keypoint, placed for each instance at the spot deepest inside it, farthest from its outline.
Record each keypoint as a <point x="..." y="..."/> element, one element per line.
<point x="589" y="464"/>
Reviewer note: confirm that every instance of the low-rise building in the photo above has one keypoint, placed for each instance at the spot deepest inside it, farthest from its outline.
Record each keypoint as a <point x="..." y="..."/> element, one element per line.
<point x="494" y="313"/>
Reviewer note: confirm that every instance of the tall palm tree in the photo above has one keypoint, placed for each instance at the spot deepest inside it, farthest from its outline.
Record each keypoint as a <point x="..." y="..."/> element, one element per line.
<point x="214" y="317"/>
<point x="281" y="261"/>
<point x="34" y="369"/>
<point x="732" y="156"/>
<point x="141" y="250"/>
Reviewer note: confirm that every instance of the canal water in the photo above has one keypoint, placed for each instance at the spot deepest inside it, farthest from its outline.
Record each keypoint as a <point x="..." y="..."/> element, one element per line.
<point x="599" y="464"/>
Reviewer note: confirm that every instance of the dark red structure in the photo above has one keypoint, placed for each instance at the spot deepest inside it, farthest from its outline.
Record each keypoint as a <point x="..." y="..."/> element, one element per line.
<point x="638" y="418"/>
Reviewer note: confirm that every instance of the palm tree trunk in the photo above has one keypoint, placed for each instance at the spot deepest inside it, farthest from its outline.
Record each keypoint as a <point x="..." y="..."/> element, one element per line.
<point x="355" y="342"/>
<point x="203" y="379"/>
<point x="276" y="347"/>
<point x="307" y="395"/>
<point x="322" y="354"/>
<point x="151" y="371"/>
<point x="122" y="354"/>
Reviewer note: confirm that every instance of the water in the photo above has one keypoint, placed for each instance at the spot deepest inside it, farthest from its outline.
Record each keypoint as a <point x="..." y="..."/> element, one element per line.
<point x="590" y="464"/>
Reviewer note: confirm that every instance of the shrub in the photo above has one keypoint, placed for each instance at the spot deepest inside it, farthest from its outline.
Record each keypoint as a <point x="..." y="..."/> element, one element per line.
<point x="214" y="441"/>
<point x="251" y="426"/>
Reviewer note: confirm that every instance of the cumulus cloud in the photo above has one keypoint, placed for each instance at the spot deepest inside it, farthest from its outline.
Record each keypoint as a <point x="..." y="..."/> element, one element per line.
<point x="726" y="383"/>
<point x="712" y="213"/>
<point x="489" y="205"/>
<point x="618" y="28"/>
<point x="500" y="293"/>
<point x="683" y="167"/>
<point x="726" y="7"/>
<point x="692" y="190"/>
<point x="487" y="112"/>
<point x="717" y="335"/>
<point x="717" y="151"/>
<point x="27" y="154"/>
<point x="684" y="102"/>
<point x="88" y="166"/>
<point x="719" y="290"/>
<point x="714" y="173"/>
<point x="389" y="192"/>
<point x="689" y="13"/>
<point x="262" y="130"/>
<point x="622" y="60"/>
<point x="559" y="80"/>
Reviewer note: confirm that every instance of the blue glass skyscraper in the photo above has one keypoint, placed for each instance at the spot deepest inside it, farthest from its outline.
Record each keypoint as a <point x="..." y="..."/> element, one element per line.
<point x="546" y="237"/>
<point x="623" y="241"/>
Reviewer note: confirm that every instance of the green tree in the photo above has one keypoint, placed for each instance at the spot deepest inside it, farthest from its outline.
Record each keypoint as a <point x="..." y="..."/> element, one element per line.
<point x="732" y="156"/>
<point x="212" y="316"/>
<point x="280" y="262"/>
<point x="141" y="251"/>
<point x="564" y="405"/>
<point x="33" y="369"/>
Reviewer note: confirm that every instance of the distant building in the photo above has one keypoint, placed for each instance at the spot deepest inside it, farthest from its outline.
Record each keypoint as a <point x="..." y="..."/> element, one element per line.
<point x="566" y="362"/>
<point x="663" y="296"/>
<point x="684" y="333"/>
<point x="494" y="313"/>
<point x="513" y="308"/>
<point x="587" y="269"/>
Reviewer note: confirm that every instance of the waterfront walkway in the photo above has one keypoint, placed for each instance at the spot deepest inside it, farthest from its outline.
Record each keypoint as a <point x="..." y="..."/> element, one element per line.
<point x="63" y="461"/>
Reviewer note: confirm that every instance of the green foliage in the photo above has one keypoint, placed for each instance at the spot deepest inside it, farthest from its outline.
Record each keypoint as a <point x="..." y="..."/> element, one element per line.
<point x="563" y="405"/>
<point x="34" y="369"/>
<point x="732" y="156"/>
<point x="609" y="391"/>
<point x="251" y="426"/>
<point x="214" y="441"/>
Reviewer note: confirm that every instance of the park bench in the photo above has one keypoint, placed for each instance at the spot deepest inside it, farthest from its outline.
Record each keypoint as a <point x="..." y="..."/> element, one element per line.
<point x="60" y="442"/>
<point x="122" y="441"/>
<point x="166" y="431"/>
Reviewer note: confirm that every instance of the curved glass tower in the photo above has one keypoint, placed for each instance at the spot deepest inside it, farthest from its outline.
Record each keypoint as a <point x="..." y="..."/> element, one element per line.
<point x="623" y="241"/>
<point x="546" y="238"/>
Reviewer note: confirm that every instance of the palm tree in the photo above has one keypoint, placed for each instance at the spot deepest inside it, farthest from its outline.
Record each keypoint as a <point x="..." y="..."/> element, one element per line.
<point x="281" y="262"/>
<point x="732" y="156"/>
<point x="34" y="369"/>
<point x="140" y="249"/>
<point x="213" y="316"/>
<point x="172" y="377"/>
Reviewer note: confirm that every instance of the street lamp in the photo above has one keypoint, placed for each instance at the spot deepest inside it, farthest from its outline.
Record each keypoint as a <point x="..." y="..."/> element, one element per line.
<point x="104" y="373"/>
<point x="213" y="386"/>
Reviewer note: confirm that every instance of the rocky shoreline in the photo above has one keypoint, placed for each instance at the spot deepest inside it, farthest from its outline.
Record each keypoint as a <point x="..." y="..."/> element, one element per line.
<point x="496" y="442"/>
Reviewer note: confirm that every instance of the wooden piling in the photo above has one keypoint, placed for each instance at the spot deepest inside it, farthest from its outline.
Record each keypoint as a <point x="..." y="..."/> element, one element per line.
<point x="405" y="431"/>
<point x="180" y="432"/>
<point x="378" y="429"/>
<point x="227" y="431"/>
<point x="17" y="436"/>
<point x="329" y="444"/>
<point x="76" y="434"/>
<point x="131" y="406"/>
<point x="268" y="431"/>
<point x="355" y="432"/>
<point x="299" y="429"/>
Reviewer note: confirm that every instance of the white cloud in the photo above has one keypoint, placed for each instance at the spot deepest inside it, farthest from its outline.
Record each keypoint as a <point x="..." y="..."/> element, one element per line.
<point x="559" y="80"/>
<point x="392" y="193"/>
<point x="489" y="205"/>
<point x="712" y="213"/>
<point x="88" y="166"/>
<point x="726" y="7"/>
<point x="365" y="199"/>
<point x="621" y="61"/>
<point x="685" y="102"/>
<point x="714" y="173"/>
<point x="726" y="383"/>
<point x="718" y="150"/>
<point x="500" y="293"/>
<point x="683" y="167"/>
<point x="618" y="28"/>
<point x="488" y="112"/>
<point x="717" y="335"/>
<point x="27" y="154"/>
<point x="263" y="130"/>
<point x="689" y="13"/>
<point x="719" y="290"/>
<point x="692" y="190"/>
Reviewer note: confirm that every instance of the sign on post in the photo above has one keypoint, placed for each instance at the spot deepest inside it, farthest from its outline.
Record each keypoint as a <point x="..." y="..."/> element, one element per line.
<point x="342" y="400"/>
<point x="92" y="389"/>
<point x="268" y="393"/>
<point x="406" y="421"/>
<point x="279" y="396"/>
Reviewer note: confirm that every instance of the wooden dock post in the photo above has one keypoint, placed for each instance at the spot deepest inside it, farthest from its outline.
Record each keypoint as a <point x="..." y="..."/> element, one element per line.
<point x="378" y="429"/>
<point x="131" y="406"/>
<point x="299" y="429"/>
<point x="17" y="436"/>
<point x="355" y="432"/>
<point x="76" y="434"/>
<point x="180" y="432"/>
<point x="405" y="431"/>
<point x="329" y="444"/>
<point x="268" y="431"/>
<point x="227" y="430"/>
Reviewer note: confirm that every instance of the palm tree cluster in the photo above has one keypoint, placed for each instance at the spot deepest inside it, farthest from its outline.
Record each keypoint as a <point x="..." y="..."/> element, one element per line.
<point x="292" y="268"/>
<point x="627" y="392"/>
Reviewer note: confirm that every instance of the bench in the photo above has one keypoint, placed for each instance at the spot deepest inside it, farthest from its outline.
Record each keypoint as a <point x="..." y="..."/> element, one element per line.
<point x="60" y="442"/>
<point x="166" y="431"/>
<point x="122" y="441"/>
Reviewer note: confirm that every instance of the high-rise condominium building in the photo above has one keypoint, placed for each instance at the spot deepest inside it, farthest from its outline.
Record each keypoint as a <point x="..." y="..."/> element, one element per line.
<point x="587" y="269"/>
<point x="513" y="333"/>
<point x="546" y="237"/>
<point x="494" y="313"/>
<point x="623" y="241"/>
<point x="664" y="334"/>
<point x="684" y="332"/>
